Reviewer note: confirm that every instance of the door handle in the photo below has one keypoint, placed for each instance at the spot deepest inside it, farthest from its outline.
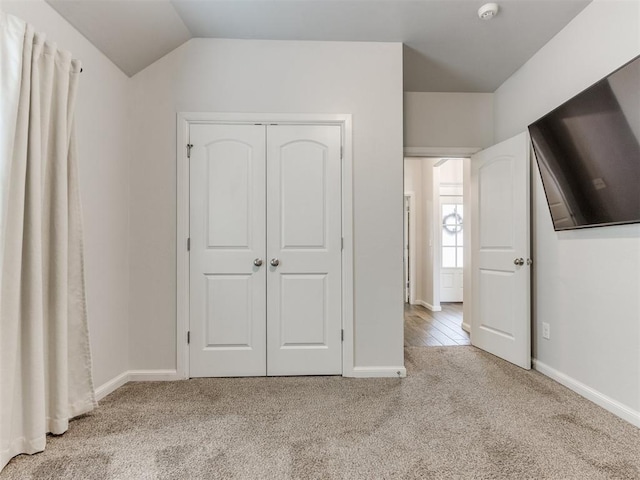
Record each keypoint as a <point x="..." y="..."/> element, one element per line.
<point x="519" y="261"/>
<point x="257" y="262"/>
<point x="275" y="262"/>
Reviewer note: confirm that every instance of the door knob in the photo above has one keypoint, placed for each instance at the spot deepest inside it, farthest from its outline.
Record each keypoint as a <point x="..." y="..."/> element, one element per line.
<point x="257" y="262"/>
<point x="519" y="261"/>
<point x="275" y="262"/>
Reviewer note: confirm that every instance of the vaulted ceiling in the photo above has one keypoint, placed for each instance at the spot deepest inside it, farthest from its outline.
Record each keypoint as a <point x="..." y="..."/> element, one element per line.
<point x="447" y="48"/>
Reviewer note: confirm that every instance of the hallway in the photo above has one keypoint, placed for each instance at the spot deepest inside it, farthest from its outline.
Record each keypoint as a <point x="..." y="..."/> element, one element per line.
<point x="423" y="327"/>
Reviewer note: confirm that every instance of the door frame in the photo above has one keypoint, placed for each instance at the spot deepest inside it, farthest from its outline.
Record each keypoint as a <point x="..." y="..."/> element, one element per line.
<point x="412" y="245"/>
<point x="457" y="152"/>
<point x="183" y="122"/>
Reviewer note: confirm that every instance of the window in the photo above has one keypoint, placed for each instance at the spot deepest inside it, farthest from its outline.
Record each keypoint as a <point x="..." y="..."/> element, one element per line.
<point x="452" y="216"/>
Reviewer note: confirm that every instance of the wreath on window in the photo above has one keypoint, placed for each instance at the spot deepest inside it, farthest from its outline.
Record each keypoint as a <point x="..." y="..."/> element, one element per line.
<point x="452" y="222"/>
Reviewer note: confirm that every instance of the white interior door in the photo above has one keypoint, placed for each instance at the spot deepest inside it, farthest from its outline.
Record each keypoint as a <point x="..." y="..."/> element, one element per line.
<point x="227" y="229"/>
<point x="265" y="257"/>
<point x="451" y="285"/>
<point x="501" y="322"/>
<point x="304" y="238"/>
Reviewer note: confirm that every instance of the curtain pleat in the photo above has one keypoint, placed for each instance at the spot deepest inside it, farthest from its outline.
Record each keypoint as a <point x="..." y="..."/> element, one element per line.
<point x="11" y="41"/>
<point x="45" y="361"/>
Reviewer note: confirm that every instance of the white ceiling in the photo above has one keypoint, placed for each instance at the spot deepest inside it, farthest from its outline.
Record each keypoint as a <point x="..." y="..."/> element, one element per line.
<point x="447" y="48"/>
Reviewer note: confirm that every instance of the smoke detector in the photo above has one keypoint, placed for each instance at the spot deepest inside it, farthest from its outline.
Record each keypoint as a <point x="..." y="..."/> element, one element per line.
<point x="488" y="11"/>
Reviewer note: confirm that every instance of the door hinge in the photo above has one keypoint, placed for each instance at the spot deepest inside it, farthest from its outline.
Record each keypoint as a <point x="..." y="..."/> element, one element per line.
<point x="189" y="244"/>
<point x="189" y="147"/>
<point x="188" y="338"/>
<point x="340" y="153"/>
<point x="342" y="243"/>
<point x="342" y="335"/>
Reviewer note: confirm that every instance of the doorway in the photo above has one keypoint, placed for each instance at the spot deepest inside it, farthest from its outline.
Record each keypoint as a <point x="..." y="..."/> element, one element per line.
<point x="496" y="243"/>
<point x="433" y="312"/>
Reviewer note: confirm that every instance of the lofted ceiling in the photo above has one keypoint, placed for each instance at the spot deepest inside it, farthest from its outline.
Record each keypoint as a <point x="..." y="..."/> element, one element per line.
<point x="447" y="48"/>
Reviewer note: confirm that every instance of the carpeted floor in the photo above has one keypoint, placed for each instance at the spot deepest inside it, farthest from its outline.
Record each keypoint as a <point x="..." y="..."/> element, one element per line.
<point x="460" y="413"/>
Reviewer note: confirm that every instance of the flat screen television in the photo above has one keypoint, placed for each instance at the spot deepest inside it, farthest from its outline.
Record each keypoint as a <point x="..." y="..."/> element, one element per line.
<point x="588" y="153"/>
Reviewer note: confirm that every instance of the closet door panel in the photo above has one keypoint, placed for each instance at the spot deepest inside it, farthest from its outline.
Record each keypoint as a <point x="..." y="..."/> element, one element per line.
<point x="227" y="228"/>
<point x="304" y="236"/>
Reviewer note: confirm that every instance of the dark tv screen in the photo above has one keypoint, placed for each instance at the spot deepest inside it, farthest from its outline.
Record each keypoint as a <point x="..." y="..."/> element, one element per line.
<point x="588" y="153"/>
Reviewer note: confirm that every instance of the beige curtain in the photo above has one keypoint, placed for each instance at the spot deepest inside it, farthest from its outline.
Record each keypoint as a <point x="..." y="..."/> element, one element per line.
<point x="45" y="362"/>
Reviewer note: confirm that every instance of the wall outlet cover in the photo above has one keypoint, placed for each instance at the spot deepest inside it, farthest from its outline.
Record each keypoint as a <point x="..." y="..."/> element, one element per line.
<point x="546" y="330"/>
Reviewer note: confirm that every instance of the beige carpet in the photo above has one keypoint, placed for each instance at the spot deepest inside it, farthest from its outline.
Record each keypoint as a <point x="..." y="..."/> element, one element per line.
<point x="460" y="413"/>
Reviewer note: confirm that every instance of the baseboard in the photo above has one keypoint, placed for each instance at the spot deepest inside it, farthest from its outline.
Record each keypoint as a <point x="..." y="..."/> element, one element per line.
<point x="466" y="327"/>
<point x="112" y="385"/>
<point x="134" y="376"/>
<point x="428" y="306"/>
<point x="153" y="375"/>
<point x="589" y="393"/>
<point x="377" y="372"/>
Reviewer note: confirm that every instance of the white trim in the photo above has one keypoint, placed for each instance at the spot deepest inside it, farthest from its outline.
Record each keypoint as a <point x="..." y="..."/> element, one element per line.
<point x="182" y="255"/>
<point x="454" y="152"/>
<point x="412" y="246"/>
<point x="134" y="376"/>
<point x="184" y="120"/>
<point x="153" y="375"/>
<point x="608" y="403"/>
<point x="348" y="284"/>
<point x="282" y="118"/>
<point x="436" y="238"/>
<point x="378" y="372"/>
<point x="428" y="306"/>
<point x="111" y="385"/>
<point x="467" y="277"/>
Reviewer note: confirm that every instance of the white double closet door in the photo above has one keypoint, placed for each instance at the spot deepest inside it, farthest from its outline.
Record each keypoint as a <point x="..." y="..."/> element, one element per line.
<point x="265" y="257"/>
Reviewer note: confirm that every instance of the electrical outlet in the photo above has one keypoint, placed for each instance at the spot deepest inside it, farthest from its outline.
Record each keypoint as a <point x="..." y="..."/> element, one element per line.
<point x="546" y="330"/>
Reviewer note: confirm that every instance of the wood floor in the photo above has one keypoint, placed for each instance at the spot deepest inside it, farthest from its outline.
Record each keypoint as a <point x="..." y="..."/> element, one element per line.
<point x="423" y="327"/>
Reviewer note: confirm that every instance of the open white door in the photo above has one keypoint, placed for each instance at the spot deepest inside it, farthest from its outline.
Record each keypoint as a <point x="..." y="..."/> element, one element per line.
<point x="501" y="314"/>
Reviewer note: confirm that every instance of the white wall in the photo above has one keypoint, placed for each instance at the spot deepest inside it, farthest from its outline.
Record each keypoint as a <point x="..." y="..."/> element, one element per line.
<point x="431" y="183"/>
<point x="364" y="79"/>
<point x="448" y="119"/>
<point x="587" y="282"/>
<point x="451" y="173"/>
<point x="101" y="122"/>
<point x="422" y="178"/>
<point x="413" y="183"/>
